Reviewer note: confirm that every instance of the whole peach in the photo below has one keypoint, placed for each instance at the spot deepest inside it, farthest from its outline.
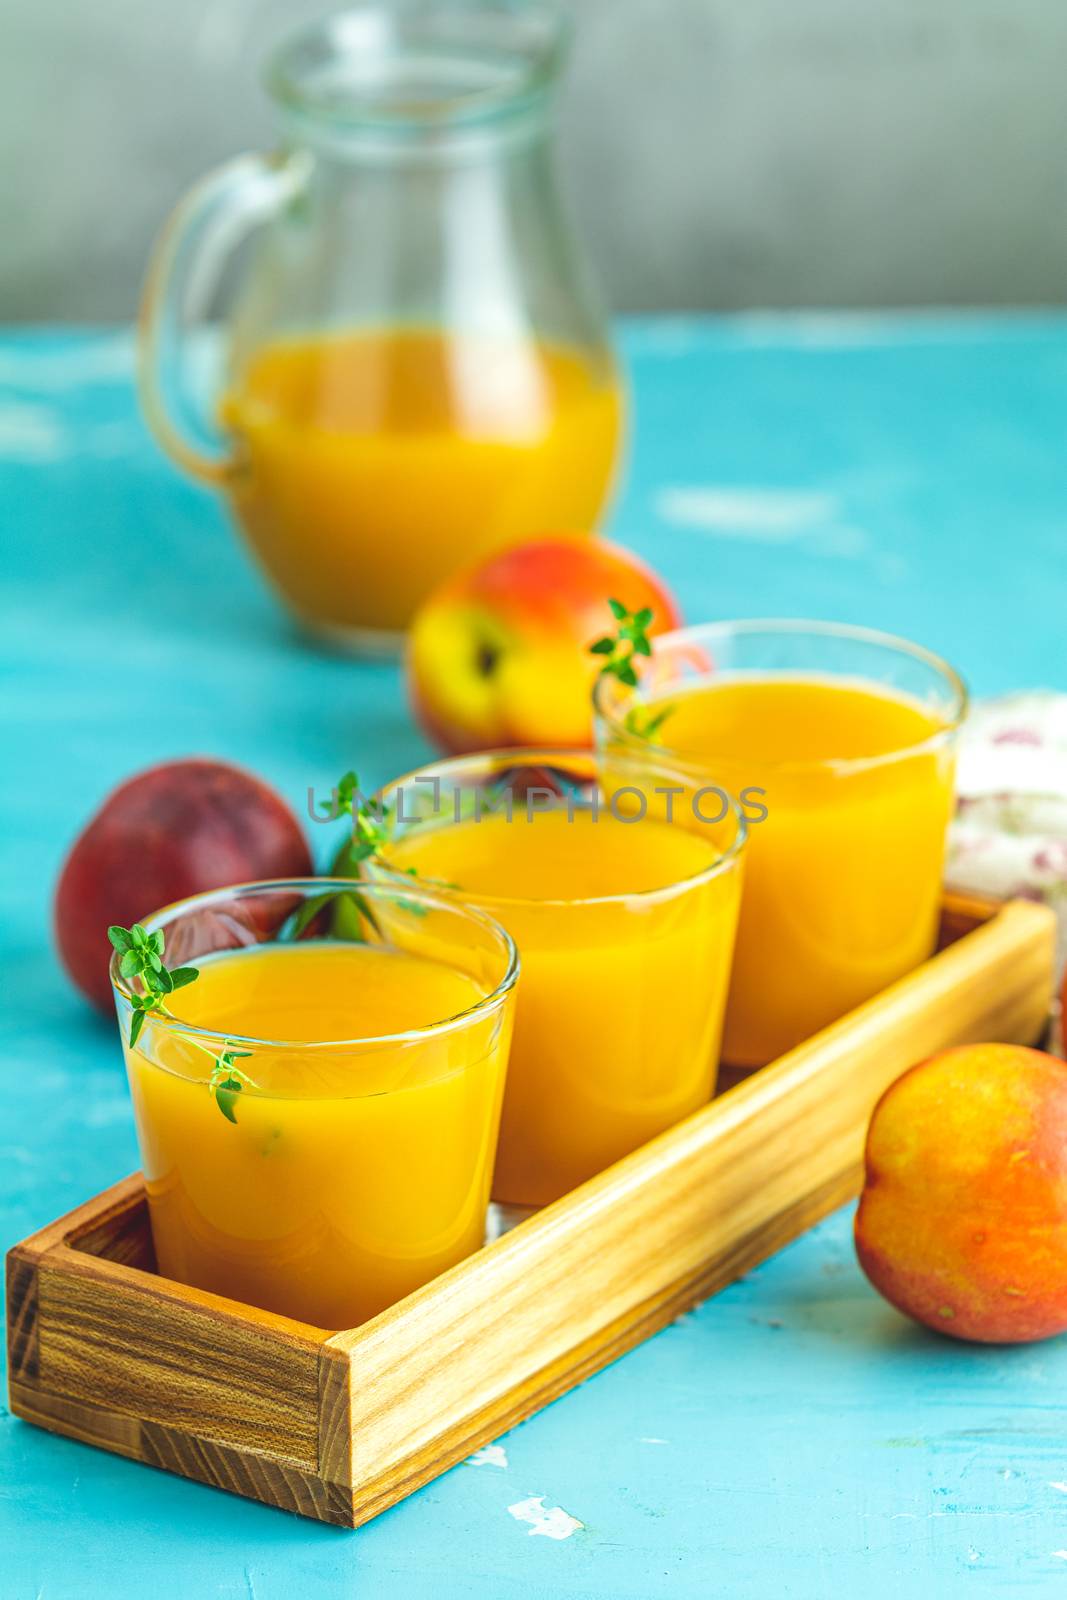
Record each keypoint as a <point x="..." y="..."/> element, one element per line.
<point x="171" y="831"/>
<point x="963" y="1219"/>
<point x="499" y="655"/>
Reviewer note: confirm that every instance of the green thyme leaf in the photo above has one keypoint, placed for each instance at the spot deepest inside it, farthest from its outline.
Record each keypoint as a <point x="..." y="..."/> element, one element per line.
<point x="307" y="913"/>
<point x="630" y="639"/>
<point x="226" y="1097"/>
<point x="645" y="724"/>
<point x="654" y="724"/>
<point x="227" y="1082"/>
<point x="228" y="1057"/>
<point x="142" y="960"/>
<point x="619" y="652"/>
<point x="373" y="827"/>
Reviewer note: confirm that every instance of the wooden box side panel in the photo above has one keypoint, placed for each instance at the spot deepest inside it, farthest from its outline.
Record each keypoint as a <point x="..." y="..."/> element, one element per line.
<point x="255" y="1475"/>
<point x="514" y="1401"/>
<point x="961" y="914"/>
<point x="486" y="1344"/>
<point x="120" y="1231"/>
<point x="90" y="1328"/>
<point x="160" y="1356"/>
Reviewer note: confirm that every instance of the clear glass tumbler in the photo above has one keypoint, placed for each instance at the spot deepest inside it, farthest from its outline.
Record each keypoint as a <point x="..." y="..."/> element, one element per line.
<point x="623" y="903"/>
<point x="839" y="743"/>
<point x="295" y="1157"/>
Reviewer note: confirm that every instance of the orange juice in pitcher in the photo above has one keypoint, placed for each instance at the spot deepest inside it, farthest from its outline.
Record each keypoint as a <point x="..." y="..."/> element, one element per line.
<point x="372" y="465"/>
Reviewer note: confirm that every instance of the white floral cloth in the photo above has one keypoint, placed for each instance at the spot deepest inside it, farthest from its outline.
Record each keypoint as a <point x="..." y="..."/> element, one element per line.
<point x="1010" y="832"/>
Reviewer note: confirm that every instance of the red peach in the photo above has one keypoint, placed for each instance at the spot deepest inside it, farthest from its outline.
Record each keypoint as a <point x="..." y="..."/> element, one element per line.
<point x="174" y="830"/>
<point x="963" y="1219"/>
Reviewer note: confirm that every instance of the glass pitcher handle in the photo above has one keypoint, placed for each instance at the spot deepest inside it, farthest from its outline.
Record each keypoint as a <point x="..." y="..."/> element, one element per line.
<point x="184" y="272"/>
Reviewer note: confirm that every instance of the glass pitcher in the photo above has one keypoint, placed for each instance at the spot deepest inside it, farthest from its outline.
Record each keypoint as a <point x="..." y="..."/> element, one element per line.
<point x="415" y="370"/>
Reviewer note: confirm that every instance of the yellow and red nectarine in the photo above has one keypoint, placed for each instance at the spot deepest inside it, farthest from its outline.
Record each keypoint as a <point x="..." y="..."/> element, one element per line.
<point x="499" y="655"/>
<point x="963" y="1219"/>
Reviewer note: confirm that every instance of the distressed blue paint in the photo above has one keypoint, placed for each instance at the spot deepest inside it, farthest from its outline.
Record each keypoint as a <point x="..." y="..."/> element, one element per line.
<point x="815" y="1443"/>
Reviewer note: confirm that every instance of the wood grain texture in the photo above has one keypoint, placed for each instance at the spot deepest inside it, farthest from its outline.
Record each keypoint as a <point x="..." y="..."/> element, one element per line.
<point x="215" y="1372"/>
<point x="335" y="1416"/>
<point x="340" y="1427"/>
<point x="121" y="1233"/>
<point x="256" y="1475"/>
<point x="22" y="1343"/>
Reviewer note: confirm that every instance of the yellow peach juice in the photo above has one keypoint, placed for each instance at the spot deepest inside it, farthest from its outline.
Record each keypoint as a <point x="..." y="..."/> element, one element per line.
<point x="843" y="872"/>
<point x="625" y="929"/>
<point x="350" y="1175"/>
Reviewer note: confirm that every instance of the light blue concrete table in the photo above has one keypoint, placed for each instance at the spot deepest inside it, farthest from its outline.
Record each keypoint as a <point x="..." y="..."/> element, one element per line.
<point x="793" y="1437"/>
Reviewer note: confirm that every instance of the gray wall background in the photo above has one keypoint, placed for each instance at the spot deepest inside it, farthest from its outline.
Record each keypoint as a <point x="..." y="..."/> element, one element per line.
<point x="721" y="153"/>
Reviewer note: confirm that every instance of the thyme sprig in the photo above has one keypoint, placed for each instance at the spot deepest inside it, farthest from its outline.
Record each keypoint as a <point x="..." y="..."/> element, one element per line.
<point x="372" y="821"/>
<point x="372" y="824"/>
<point x="142" y="961"/>
<point x="142" y="957"/>
<point x="620" y="650"/>
<point x="373" y="828"/>
<point x="629" y="640"/>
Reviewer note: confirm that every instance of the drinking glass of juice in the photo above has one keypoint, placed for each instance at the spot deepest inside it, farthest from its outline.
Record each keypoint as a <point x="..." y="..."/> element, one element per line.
<point x="415" y="369"/>
<point x="318" y="1114"/>
<point x="839" y="743"/>
<point x="623" y="906"/>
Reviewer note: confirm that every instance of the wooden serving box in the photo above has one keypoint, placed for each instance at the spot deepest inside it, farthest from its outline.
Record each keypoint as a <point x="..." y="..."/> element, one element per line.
<point x="341" y="1425"/>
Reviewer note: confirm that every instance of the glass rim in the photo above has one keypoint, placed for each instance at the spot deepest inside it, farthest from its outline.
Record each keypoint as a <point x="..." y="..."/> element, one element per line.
<point x="547" y="755"/>
<point x="536" y="68"/>
<point x="367" y="1042"/>
<point x="856" y="632"/>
